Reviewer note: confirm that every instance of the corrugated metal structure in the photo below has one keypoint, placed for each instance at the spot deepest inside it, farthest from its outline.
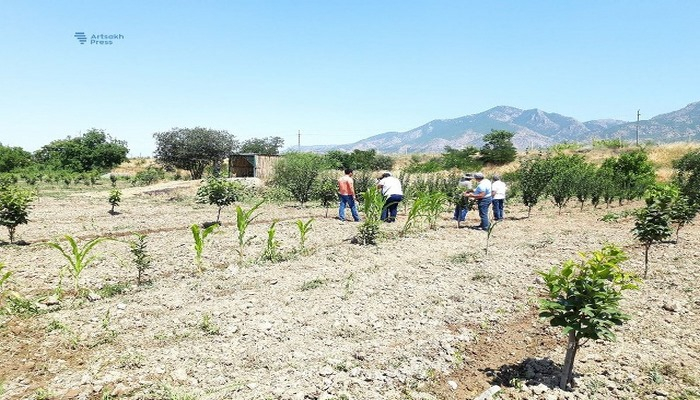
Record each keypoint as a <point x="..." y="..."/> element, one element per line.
<point x="251" y="165"/>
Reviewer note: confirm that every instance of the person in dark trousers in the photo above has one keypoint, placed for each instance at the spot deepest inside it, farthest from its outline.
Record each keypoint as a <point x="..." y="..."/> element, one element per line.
<point x="482" y="194"/>
<point x="393" y="193"/>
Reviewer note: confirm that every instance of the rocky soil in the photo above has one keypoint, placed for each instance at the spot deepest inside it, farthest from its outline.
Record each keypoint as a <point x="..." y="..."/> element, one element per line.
<point x="427" y="316"/>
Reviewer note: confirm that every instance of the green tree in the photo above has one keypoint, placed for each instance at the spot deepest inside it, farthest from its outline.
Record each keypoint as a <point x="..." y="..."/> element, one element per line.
<point x="498" y="148"/>
<point x="687" y="176"/>
<point x="298" y="173"/>
<point x="634" y="173"/>
<point x="653" y="222"/>
<point x="12" y="158"/>
<point x="15" y="204"/>
<point x="94" y="150"/>
<point x="533" y="177"/>
<point x="268" y="145"/>
<point x="584" y="299"/>
<point x="563" y="173"/>
<point x="115" y="197"/>
<point x="193" y="149"/>
<point x="462" y="159"/>
<point x="219" y="192"/>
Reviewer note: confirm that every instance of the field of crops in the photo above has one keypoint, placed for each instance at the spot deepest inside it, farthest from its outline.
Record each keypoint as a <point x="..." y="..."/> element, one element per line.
<point x="419" y="316"/>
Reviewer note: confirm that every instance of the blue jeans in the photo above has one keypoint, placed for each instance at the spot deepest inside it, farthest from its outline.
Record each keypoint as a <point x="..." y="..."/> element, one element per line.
<point x="390" y="208"/>
<point x="484" y="212"/>
<point x="460" y="213"/>
<point x="498" y="209"/>
<point x="350" y="202"/>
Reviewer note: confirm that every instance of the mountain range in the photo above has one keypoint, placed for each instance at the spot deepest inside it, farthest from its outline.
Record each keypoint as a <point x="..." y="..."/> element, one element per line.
<point x="532" y="128"/>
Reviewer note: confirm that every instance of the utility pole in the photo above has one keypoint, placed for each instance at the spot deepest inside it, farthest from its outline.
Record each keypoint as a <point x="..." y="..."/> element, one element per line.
<point x="299" y="139"/>
<point x="638" y="114"/>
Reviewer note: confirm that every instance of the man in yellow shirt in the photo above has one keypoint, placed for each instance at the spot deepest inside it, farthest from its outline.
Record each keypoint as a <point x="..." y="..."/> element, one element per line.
<point x="346" y="191"/>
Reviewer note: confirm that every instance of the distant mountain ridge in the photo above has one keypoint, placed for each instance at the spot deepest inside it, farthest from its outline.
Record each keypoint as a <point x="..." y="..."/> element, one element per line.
<point x="532" y="128"/>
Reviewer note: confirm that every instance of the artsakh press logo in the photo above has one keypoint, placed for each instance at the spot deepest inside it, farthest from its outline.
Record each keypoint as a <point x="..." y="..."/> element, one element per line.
<point x="100" y="39"/>
<point x="81" y="37"/>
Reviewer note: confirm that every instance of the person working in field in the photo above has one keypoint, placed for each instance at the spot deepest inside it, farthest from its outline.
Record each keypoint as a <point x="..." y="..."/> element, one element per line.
<point x="460" y="200"/>
<point x="482" y="194"/>
<point x="393" y="194"/>
<point x="498" y="189"/>
<point x="346" y="191"/>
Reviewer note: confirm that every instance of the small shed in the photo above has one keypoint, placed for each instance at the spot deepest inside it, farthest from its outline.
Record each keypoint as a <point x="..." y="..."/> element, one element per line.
<point x="251" y="165"/>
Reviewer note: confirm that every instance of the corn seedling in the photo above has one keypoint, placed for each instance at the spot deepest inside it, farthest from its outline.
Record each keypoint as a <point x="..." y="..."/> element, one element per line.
<point x="488" y="236"/>
<point x="271" y="252"/>
<point x="243" y="220"/>
<point x="78" y="259"/>
<point x="115" y="196"/>
<point x="199" y="234"/>
<point x="141" y="257"/>
<point x="304" y="229"/>
<point x="207" y="326"/>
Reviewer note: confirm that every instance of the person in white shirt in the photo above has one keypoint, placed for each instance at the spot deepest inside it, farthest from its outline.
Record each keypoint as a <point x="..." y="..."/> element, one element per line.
<point x="393" y="194"/>
<point x="498" y="189"/>
<point x="482" y="194"/>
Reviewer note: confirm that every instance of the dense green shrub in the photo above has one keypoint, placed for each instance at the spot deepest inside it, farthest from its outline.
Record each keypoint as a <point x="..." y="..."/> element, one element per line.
<point x="298" y="173"/>
<point x="148" y="176"/>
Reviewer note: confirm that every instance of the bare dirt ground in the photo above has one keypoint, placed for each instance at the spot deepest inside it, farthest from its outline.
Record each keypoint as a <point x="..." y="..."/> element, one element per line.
<point x="427" y="316"/>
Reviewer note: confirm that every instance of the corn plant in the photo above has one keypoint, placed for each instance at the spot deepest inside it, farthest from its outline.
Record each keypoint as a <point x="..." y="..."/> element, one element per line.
<point x="413" y="215"/>
<point x="271" y="252"/>
<point x="78" y="259"/>
<point x="141" y="257"/>
<point x="243" y="220"/>
<point x="372" y="204"/>
<point x="304" y="229"/>
<point x="488" y="235"/>
<point x="584" y="298"/>
<point x="115" y="196"/>
<point x="199" y="234"/>
<point x="4" y="277"/>
<point x="433" y="205"/>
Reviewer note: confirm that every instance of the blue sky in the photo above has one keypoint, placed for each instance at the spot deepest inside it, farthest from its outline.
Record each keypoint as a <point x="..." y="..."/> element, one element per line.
<point x="338" y="71"/>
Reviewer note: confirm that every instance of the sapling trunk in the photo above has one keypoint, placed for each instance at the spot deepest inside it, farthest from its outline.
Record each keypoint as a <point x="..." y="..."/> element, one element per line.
<point x="568" y="367"/>
<point x="646" y="259"/>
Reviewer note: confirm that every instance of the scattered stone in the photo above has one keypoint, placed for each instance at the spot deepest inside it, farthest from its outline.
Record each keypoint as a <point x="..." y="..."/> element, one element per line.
<point x="326" y="371"/>
<point x="488" y="393"/>
<point x="179" y="374"/>
<point x="452" y="384"/>
<point x="54" y="301"/>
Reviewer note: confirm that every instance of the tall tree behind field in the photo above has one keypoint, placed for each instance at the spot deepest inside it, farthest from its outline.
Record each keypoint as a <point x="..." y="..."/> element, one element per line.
<point x="269" y="145"/>
<point x="193" y="149"/>
<point x="94" y="150"/>
<point x="13" y="157"/>
<point x="498" y="148"/>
